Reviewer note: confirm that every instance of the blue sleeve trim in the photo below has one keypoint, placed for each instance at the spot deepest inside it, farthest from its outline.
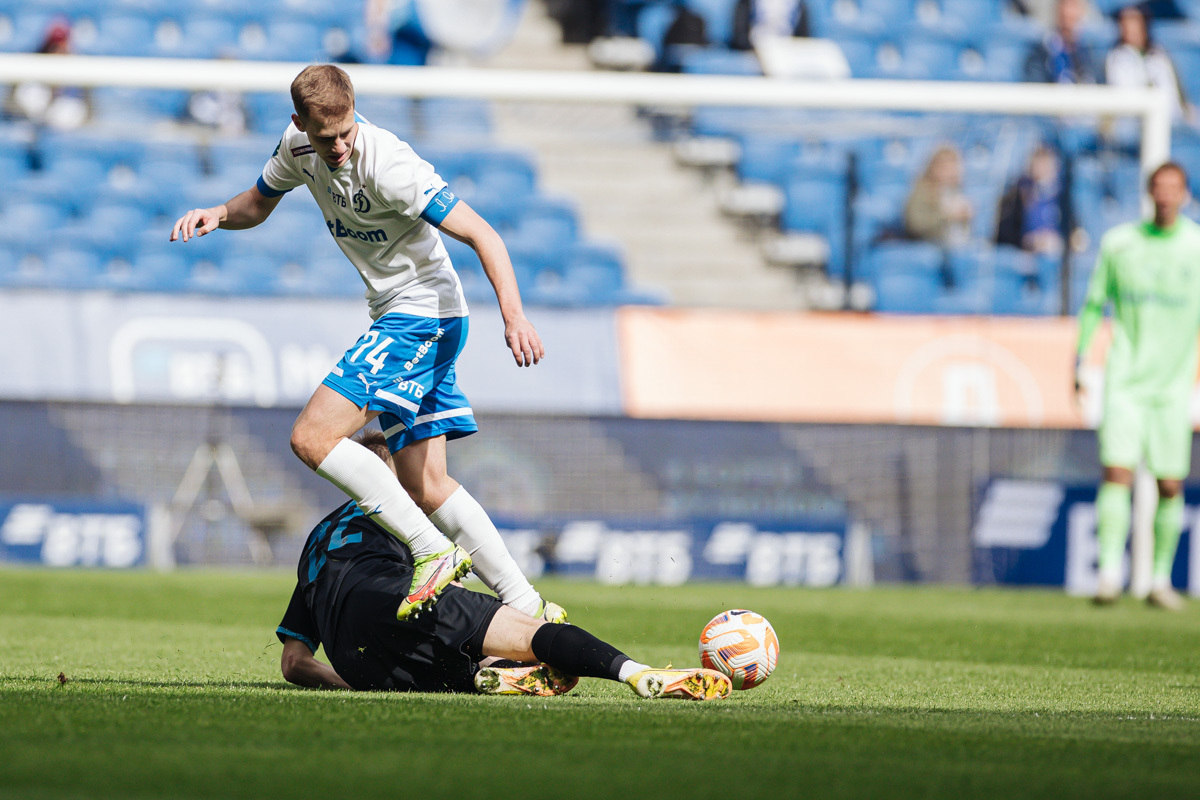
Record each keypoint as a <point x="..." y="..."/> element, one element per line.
<point x="300" y="637"/>
<point x="267" y="191"/>
<point x="439" y="207"/>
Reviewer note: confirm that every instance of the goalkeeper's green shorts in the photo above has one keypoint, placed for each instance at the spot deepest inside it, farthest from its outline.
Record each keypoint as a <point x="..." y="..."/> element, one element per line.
<point x="1160" y="432"/>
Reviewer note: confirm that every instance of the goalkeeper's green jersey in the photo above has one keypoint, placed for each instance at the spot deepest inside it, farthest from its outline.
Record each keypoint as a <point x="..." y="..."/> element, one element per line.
<point x="1152" y="278"/>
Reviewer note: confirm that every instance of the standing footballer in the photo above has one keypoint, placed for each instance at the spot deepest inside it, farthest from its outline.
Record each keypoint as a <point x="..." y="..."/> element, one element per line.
<point x="384" y="206"/>
<point x="1150" y="272"/>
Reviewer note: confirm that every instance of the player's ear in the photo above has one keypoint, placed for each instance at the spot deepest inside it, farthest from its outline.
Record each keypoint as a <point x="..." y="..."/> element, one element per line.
<point x="298" y="122"/>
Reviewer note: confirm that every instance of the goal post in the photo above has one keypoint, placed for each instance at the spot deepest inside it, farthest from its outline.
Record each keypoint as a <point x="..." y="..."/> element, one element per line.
<point x="1151" y="106"/>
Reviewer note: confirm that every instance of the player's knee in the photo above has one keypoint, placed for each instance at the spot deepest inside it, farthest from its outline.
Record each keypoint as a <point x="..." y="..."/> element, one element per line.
<point x="1118" y="475"/>
<point x="1169" y="488"/>
<point x="308" y="445"/>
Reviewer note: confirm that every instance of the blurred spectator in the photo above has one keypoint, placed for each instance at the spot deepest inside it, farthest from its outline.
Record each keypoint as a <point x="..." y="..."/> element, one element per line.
<point x="59" y="107"/>
<point x="1136" y="60"/>
<point x="937" y="210"/>
<point x="1033" y="210"/>
<point x="1060" y="57"/>
<point x="222" y="110"/>
<point x="581" y="20"/>
<point x="687" y="29"/>
<point x="767" y="17"/>
<point x="394" y="33"/>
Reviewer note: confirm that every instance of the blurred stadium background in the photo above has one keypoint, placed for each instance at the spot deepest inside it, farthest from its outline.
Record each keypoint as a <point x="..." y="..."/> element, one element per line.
<point x="755" y="371"/>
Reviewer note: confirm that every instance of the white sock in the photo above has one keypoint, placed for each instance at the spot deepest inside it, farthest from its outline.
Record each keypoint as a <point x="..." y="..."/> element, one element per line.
<point x="466" y="524"/>
<point x="629" y="668"/>
<point x="371" y="484"/>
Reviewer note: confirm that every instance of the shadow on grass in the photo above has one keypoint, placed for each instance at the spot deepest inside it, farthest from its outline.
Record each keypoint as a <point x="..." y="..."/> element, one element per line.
<point x="155" y="684"/>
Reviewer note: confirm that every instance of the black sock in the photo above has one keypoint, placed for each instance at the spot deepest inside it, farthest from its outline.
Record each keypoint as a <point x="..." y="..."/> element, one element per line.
<point x="576" y="652"/>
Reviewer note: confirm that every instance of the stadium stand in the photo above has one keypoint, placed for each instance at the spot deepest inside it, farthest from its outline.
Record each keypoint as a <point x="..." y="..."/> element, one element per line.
<point x="849" y="187"/>
<point x="113" y="196"/>
<point x="841" y="178"/>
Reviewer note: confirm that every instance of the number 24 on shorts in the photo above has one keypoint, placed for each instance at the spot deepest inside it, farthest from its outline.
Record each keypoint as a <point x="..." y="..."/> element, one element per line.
<point x="377" y="355"/>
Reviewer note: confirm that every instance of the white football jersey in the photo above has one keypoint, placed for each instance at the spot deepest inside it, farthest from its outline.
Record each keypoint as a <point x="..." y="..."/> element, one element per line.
<point x="373" y="205"/>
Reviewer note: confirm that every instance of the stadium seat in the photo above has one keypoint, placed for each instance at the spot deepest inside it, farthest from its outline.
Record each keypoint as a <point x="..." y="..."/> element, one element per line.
<point x="936" y="59"/>
<point x="891" y="12"/>
<point x="551" y="221"/>
<point x="892" y="258"/>
<point x="906" y="292"/>
<point x="718" y="18"/>
<point x="718" y="61"/>
<point x="974" y="15"/>
<point x="819" y="207"/>
<point x="123" y="105"/>
<point x="206" y="36"/>
<point x="120" y="35"/>
<point x="269" y="112"/>
<point x="28" y="29"/>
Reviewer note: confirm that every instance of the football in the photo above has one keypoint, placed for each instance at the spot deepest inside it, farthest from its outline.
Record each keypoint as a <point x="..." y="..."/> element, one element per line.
<point x="741" y="644"/>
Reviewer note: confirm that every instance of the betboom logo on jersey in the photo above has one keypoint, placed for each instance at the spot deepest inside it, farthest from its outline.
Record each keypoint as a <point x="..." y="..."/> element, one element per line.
<point x="340" y="231"/>
<point x="72" y="535"/>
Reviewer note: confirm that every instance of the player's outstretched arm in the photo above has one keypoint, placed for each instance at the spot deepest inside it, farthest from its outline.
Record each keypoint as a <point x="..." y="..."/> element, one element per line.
<point x="469" y="228"/>
<point x="248" y="209"/>
<point x="301" y="668"/>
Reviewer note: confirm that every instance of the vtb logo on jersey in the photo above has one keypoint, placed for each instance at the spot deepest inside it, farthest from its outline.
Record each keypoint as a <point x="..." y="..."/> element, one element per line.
<point x="361" y="204"/>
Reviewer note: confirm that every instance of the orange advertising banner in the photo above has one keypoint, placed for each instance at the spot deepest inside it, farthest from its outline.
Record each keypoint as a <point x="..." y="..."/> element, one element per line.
<point x="786" y="367"/>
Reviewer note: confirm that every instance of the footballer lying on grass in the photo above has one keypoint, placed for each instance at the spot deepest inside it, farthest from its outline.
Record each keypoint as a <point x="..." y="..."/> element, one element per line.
<point x="353" y="575"/>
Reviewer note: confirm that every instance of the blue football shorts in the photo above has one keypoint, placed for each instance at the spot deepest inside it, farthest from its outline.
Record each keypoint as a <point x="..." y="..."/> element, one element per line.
<point x="404" y="367"/>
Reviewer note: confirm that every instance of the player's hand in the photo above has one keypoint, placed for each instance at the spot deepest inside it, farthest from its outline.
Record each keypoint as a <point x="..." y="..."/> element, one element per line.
<point x="522" y="338"/>
<point x="196" y="222"/>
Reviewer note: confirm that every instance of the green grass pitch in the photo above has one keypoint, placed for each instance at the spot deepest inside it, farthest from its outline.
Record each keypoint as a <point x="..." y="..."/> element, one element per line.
<point x="173" y="690"/>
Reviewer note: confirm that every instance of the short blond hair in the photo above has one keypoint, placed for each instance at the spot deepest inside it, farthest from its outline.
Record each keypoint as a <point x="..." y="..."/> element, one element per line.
<point x="322" y="90"/>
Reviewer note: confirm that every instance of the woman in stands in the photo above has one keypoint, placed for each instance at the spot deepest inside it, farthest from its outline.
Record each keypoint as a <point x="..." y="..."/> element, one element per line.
<point x="1137" y="60"/>
<point x="937" y="210"/>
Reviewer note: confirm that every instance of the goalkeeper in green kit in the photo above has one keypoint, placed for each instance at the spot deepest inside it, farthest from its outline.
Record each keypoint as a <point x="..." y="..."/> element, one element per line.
<point x="1150" y="272"/>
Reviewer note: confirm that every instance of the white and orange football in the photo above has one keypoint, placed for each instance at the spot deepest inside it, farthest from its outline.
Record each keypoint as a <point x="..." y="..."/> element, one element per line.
<point x="741" y="644"/>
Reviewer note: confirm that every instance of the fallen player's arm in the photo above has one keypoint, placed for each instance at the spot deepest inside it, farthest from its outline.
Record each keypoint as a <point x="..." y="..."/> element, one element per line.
<point x="301" y="668"/>
<point x="464" y="224"/>
<point x="246" y="210"/>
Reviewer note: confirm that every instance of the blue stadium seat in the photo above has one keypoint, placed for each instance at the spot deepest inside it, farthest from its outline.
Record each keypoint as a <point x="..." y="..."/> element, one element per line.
<point x="119" y="35"/>
<point x="14" y="164"/>
<point x="551" y="221"/>
<point x="123" y="105"/>
<point x="1015" y="294"/>
<point x="766" y="158"/>
<point x="906" y="292"/>
<point x="30" y="220"/>
<point x="1004" y="60"/>
<point x="974" y="15"/>
<point x="446" y="121"/>
<point x="819" y="207"/>
<point x="718" y="18"/>
<point x="269" y="112"/>
<point x="28" y="30"/>
<point x="507" y="173"/>
<point x="293" y="40"/>
<point x="718" y="61"/>
<point x="860" y="55"/>
<point x="1082" y="265"/>
<point x="891" y="258"/>
<point x="653" y="20"/>
<point x="208" y="36"/>
<point x="891" y="12"/>
<point x="936" y="59"/>
<point x="68" y="267"/>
